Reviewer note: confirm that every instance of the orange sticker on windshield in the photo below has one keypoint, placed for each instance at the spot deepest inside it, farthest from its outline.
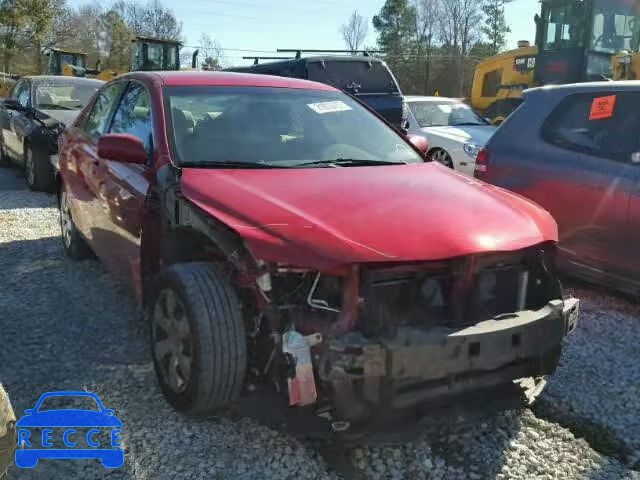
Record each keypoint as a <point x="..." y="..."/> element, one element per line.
<point x="602" y="107"/>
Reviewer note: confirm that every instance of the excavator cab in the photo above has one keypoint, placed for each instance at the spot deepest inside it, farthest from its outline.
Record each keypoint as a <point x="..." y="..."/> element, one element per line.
<point x="577" y="39"/>
<point x="59" y="59"/>
<point x="150" y="54"/>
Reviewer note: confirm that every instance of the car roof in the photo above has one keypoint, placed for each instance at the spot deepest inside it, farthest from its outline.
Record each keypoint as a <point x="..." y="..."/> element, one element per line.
<point x="421" y="98"/>
<point x="588" y="87"/>
<point x="62" y="79"/>
<point x="230" y="79"/>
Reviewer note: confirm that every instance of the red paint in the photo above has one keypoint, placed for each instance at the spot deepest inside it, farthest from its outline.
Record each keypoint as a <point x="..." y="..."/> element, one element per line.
<point x="230" y="79"/>
<point x="327" y="217"/>
<point x="122" y="147"/>
<point x="324" y="218"/>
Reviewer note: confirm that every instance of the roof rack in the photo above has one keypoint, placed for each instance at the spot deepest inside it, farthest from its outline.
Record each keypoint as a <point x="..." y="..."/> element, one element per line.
<point x="298" y="51"/>
<point x="256" y="60"/>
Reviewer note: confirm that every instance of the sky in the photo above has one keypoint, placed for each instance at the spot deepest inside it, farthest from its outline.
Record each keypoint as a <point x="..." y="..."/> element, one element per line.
<point x="262" y="26"/>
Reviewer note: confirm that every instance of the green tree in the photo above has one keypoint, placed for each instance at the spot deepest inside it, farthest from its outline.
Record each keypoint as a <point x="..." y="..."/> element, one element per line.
<point x="12" y="22"/>
<point x="116" y="41"/>
<point x="396" y="27"/>
<point x="495" y="26"/>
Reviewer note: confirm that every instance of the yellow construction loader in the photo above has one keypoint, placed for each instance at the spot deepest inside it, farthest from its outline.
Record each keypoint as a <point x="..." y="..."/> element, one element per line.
<point x="576" y="41"/>
<point x="149" y="54"/>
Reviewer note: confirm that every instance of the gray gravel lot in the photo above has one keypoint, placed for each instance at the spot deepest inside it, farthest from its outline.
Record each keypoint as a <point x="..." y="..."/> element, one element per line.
<point x="70" y="326"/>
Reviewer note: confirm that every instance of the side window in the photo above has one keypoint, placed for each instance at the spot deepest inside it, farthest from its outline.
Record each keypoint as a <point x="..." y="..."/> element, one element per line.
<point x="133" y="115"/>
<point x="21" y="93"/>
<point x="603" y="124"/>
<point x="491" y="82"/>
<point x="97" y="120"/>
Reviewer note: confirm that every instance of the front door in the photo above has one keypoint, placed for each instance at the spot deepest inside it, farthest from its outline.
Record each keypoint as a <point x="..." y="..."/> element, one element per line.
<point x="83" y="172"/>
<point x="15" y="123"/>
<point x="125" y="187"/>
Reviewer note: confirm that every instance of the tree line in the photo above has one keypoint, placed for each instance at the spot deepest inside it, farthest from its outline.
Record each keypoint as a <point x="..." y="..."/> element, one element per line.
<point x="28" y="28"/>
<point x="433" y="45"/>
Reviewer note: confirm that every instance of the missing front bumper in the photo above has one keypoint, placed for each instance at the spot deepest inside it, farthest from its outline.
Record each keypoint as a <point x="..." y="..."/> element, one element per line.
<point x="436" y="365"/>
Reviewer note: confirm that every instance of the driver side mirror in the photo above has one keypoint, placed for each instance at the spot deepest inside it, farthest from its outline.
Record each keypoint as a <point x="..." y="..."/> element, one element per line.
<point x="419" y="142"/>
<point x="28" y="411"/>
<point x="13" y="104"/>
<point x="122" y="147"/>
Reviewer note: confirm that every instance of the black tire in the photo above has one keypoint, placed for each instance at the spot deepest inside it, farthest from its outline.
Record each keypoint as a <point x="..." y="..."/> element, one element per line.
<point x="38" y="171"/>
<point x="441" y="156"/>
<point x="75" y="246"/>
<point x="216" y="341"/>
<point x="4" y="158"/>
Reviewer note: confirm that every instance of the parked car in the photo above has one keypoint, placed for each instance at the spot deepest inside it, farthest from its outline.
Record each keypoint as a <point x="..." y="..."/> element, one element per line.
<point x="281" y="235"/>
<point x="574" y="150"/>
<point x="31" y="118"/>
<point x="454" y="131"/>
<point x="8" y="437"/>
<point x="367" y="78"/>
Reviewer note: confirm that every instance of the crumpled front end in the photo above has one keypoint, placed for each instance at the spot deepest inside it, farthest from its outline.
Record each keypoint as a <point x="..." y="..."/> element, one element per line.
<point x="387" y="338"/>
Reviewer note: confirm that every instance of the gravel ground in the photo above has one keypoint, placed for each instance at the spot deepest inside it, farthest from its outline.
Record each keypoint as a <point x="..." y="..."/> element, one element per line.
<point x="73" y="327"/>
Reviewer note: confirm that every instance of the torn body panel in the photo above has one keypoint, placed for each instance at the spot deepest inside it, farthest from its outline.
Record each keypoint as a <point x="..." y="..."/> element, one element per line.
<point x="389" y="335"/>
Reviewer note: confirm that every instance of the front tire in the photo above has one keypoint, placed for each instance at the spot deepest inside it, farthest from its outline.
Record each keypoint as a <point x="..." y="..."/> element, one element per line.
<point x="198" y="338"/>
<point x="75" y="246"/>
<point x="441" y="156"/>
<point x="37" y="170"/>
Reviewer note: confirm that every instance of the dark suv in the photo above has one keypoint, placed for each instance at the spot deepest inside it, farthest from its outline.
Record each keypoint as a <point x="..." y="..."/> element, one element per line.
<point x="575" y="150"/>
<point x="367" y="78"/>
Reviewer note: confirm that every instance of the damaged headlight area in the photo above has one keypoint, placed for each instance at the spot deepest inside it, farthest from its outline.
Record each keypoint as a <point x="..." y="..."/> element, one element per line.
<point x="389" y="337"/>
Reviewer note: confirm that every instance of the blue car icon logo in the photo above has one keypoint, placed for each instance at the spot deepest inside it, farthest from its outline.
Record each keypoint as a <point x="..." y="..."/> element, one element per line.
<point x="69" y="433"/>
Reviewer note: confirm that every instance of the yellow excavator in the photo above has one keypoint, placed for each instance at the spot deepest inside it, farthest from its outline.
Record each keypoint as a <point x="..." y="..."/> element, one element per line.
<point x="149" y="54"/>
<point x="576" y="41"/>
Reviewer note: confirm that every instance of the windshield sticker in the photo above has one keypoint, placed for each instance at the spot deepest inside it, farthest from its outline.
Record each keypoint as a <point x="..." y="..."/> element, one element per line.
<point x="445" y="108"/>
<point x="602" y="107"/>
<point x="329" y="107"/>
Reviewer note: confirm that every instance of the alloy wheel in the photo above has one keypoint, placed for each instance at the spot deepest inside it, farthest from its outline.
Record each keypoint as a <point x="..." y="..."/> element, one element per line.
<point x="29" y="166"/>
<point x="172" y="341"/>
<point x="442" y="157"/>
<point x="66" y="222"/>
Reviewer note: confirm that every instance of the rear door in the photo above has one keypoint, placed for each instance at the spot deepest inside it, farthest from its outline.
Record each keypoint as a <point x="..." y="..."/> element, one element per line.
<point x="125" y="187"/>
<point x="81" y="169"/>
<point x="593" y="136"/>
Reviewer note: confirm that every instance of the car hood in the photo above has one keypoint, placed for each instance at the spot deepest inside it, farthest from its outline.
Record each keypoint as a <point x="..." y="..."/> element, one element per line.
<point x="65" y="117"/>
<point x="475" y="134"/>
<point x="69" y="418"/>
<point x="330" y="217"/>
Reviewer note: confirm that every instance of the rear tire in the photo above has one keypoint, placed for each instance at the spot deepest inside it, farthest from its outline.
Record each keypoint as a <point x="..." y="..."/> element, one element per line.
<point x="75" y="246"/>
<point x="37" y="170"/>
<point x="198" y="338"/>
<point x="4" y="158"/>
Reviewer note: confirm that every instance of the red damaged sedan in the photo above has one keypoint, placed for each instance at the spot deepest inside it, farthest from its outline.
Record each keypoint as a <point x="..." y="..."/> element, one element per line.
<point x="281" y="237"/>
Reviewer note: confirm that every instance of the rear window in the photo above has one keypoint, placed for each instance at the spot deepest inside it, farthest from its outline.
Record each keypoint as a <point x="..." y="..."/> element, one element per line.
<point x="353" y="76"/>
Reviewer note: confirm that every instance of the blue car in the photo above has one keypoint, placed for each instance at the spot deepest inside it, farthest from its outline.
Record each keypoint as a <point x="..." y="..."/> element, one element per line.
<point x="34" y="447"/>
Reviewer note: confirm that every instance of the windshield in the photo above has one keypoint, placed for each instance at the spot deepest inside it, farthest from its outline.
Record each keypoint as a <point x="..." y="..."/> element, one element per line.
<point x="353" y="76"/>
<point x="616" y="26"/>
<point x="278" y="126"/>
<point x="564" y="26"/>
<point x="57" y="96"/>
<point x="444" y="114"/>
